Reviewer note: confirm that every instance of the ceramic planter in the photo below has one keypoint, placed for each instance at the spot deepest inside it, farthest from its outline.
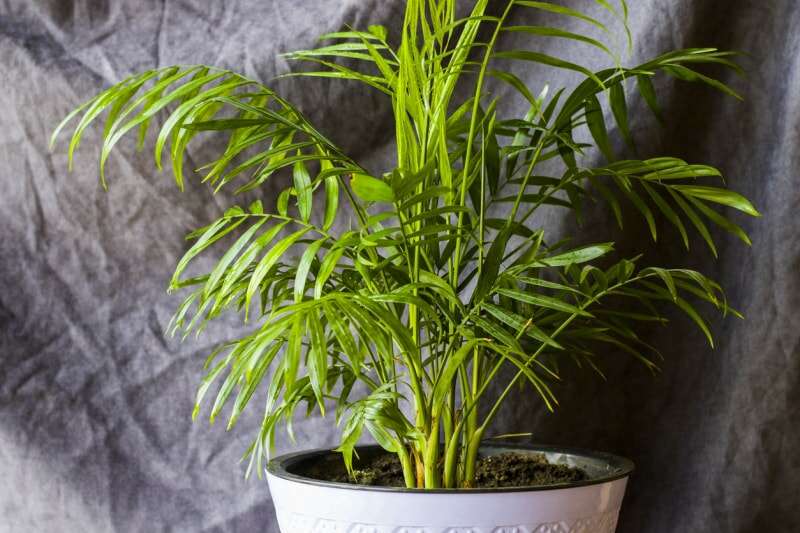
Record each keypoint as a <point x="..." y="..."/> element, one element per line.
<point x="306" y="505"/>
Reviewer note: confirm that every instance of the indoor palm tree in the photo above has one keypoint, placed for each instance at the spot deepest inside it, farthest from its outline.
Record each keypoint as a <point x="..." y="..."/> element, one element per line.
<point x="401" y="317"/>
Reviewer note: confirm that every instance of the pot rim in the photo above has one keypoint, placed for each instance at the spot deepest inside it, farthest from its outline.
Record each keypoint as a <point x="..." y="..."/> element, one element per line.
<point x="621" y="467"/>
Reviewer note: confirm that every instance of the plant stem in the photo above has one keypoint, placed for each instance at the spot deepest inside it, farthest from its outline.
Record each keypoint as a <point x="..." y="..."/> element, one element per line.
<point x="472" y="127"/>
<point x="419" y="469"/>
<point x="471" y="419"/>
<point x="450" y="414"/>
<point x="451" y="458"/>
<point x="408" y="468"/>
<point x="471" y="457"/>
<point x="432" y="477"/>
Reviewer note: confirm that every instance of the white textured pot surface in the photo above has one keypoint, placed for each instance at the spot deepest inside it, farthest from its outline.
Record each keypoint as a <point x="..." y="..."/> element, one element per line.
<point x="305" y="505"/>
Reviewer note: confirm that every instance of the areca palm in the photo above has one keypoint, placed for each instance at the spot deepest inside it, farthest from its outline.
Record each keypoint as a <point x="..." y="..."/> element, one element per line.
<point x="403" y="321"/>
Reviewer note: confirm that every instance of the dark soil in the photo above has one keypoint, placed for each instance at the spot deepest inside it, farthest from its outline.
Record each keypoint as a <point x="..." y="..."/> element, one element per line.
<point x="508" y="469"/>
<point x="522" y="470"/>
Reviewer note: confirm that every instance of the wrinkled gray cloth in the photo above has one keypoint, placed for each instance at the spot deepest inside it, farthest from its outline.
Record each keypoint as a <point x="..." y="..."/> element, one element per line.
<point x="95" y="402"/>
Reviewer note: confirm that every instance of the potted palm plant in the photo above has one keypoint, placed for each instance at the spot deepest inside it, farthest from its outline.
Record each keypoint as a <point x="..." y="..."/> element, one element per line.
<point x="402" y="318"/>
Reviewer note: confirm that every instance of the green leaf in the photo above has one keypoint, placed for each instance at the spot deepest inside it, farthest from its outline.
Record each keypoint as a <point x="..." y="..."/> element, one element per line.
<point x="616" y="98"/>
<point x="191" y="92"/>
<point x="225" y="124"/>
<point x="668" y="212"/>
<point x="666" y="277"/>
<point x="294" y="349"/>
<point x="514" y="82"/>
<point x="546" y="31"/>
<point x="302" y="188"/>
<point x="317" y="362"/>
<point x="720" y="220"/>
<point x="670" y="171"/>
<point x="491" y="265"/>
<point x="253" y="379"/>
<point x="696" y="318"/>
<point x="578" y="255"/>
<point x="74" y="113"/>
<point x="441" y="287"/>
<point x="518" y="323"/>
<point x="96" y="106"/>
<point x="597" y="126"/>
<point x="371" y="189"/>
<point x="548" y="284"/>
<point x="351" y="434"/>
<point x="343" y="336"/>
<point x="209" y="236"/>
<point x="540" y="300"/>
<point x="720" y="196"/>
<point x="326" y="269"/>
<point x="269" y="259"/>
<point x="378" y="31"/>
<point x="498" y="333"/>
<point x="234" y="274"/>
<point x="695" y="219"/>
<point x="561" y="10"/>
<point x="544" y="59"/>
<point x="566" y="148"/>
<point x="609" y="197"/>
<point x="648" y="92"/>
<point x="331" y="201"/>
<point x="640" y="204"/>
<point x="304" y="266"/>
<point x="431" y="194"/>
<point x="451" y="365"/>
<point x="216" y="275"/>
<point x="688" y="74"/>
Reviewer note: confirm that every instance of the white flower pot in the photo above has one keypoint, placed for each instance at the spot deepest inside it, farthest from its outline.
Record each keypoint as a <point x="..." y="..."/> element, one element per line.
<point x="306" y="505"/>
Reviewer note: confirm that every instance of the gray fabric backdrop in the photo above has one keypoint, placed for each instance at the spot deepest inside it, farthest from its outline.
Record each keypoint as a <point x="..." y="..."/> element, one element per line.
<point x="94" y="402"/>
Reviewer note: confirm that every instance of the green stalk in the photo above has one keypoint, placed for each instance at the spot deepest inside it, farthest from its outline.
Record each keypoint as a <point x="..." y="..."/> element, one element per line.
<point x="472" y="432"/>
<point x="528" y="174"/>
<point x="432" y="477"/>
<point x="471" y="457"/>
<point x="452" y="443"/>
<point x="451" y="459"/>
<point x="471" y="135"/>
<point x="448" y="417"/>
<point x="419" y="469"/>
<point x="420" y="403"/>
<point x="408" y="467"/>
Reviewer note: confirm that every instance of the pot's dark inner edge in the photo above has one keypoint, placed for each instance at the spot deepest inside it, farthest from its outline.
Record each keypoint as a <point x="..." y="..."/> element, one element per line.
<point x="597" y="466"/>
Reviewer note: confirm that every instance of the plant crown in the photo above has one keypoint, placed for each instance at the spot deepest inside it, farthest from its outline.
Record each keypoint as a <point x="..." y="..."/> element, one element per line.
<point x="426" y="296"/>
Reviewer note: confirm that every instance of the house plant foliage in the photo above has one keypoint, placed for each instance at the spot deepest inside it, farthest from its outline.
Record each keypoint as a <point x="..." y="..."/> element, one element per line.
<point x="402" y="323"/>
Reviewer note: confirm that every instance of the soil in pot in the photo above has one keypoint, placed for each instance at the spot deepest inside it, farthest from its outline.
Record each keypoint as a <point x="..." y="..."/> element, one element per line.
<point x="509" y="469"/>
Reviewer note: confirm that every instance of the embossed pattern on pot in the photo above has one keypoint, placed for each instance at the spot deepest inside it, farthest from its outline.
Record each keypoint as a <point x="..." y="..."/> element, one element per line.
<point x="298" y="523"/>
